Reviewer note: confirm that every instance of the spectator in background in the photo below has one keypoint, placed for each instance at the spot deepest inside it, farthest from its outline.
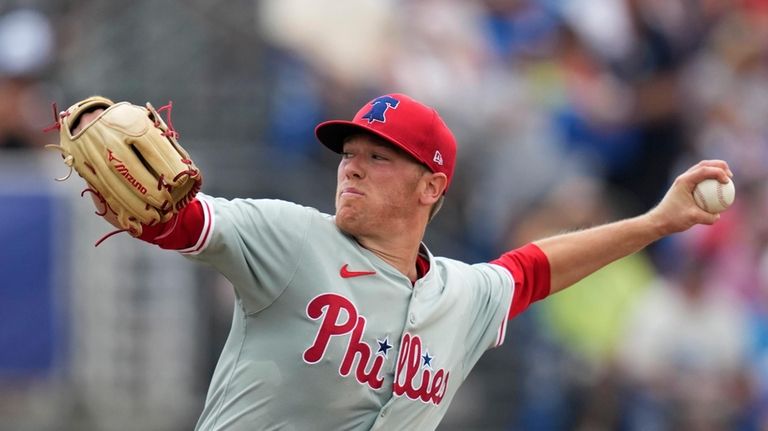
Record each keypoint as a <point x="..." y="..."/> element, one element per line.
<point x="26" y="49"/>
<point x="684" y="355"/>
<point x="594" y="120"/>
<point x="664" y="37"/>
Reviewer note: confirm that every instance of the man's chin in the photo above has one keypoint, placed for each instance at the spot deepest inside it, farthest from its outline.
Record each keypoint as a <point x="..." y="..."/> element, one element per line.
<point x="347" y="223"/>
<point x="341" y="222"/>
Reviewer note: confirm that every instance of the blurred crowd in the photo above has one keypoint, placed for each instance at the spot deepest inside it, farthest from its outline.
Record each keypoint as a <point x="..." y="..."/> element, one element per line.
<point x="568" y="113"/>
<point x="26" y="53"/>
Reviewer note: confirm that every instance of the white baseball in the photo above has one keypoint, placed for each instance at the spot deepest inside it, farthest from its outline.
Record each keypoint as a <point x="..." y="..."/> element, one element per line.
<point x="713" y="196"/>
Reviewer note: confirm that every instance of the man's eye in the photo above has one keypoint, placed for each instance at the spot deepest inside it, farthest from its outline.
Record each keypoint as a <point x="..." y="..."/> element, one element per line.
<point x="345" y="155"/>
<point x="378" y="157"/>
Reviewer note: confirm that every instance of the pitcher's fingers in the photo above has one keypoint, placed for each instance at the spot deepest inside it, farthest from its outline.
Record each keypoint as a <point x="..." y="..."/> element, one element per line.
<point x="714" y="163"/>
<point x="704" y="171"/>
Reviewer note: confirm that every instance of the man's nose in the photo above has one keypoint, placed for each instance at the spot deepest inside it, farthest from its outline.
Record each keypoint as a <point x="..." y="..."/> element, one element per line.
<point x="352" y="168"/>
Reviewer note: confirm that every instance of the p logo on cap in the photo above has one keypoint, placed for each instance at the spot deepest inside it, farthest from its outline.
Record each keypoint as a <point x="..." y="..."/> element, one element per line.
<point x="402" y="121"/>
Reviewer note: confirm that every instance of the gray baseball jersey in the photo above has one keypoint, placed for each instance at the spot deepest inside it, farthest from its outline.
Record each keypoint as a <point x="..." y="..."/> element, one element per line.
<point x="328" y="336"/>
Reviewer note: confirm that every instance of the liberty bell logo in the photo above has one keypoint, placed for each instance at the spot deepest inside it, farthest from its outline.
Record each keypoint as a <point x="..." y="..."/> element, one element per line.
<point x="379" y="107"/>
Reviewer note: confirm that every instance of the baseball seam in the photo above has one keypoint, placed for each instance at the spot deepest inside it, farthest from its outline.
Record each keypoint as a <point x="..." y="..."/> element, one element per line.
<point x="720" y="196"/>
<point x="700" y="198"/>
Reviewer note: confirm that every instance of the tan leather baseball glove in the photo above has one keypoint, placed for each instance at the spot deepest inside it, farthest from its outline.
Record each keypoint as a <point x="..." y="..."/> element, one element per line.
<point x="130" y="159"/>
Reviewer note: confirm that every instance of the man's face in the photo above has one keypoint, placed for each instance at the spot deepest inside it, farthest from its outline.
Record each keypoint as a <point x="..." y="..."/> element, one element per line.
<point x="377" y="186"/>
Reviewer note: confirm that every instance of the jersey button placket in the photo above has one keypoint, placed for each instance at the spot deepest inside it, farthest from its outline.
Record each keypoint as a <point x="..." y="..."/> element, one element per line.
<point x="411" y="314"/>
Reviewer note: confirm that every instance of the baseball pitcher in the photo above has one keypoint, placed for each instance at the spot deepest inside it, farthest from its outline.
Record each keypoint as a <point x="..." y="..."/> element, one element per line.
<point x="344" y="321"/>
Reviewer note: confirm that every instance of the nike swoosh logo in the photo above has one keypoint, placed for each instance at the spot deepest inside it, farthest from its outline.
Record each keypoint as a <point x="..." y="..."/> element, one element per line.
<point x="346" y="273"/>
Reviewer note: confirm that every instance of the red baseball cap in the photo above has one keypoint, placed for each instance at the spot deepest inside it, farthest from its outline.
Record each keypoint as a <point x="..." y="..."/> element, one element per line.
<point x="407" y="124"/>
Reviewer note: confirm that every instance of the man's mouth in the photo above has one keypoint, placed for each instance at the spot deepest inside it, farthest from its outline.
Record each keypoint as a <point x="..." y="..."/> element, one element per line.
<point x="351" y="192"/>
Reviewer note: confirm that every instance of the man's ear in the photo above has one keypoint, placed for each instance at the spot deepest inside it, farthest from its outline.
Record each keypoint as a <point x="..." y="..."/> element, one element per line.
<point x="434" y="187"/>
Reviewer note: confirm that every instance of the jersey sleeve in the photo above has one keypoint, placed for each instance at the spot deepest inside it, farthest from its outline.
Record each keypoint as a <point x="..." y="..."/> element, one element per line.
<point x="481" y="299"/>
<point x="499" y="290"/>
<point x="492" y="301"/>
<point x="529" y="267"/>
<point x="256" y="244"/>
<point x="182" y="232"/>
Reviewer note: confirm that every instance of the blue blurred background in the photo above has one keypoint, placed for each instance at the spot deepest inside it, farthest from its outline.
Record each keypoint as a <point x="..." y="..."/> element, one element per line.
<point x="568" y="113"/>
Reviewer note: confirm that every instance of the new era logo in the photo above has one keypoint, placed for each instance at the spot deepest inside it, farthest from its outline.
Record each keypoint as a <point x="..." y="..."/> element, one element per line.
<point x="438" y="158"/>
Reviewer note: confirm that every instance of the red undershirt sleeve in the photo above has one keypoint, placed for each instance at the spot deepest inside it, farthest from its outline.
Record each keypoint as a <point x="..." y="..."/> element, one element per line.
<point x="181" y="232"/>
<point x="530" y="269"/>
